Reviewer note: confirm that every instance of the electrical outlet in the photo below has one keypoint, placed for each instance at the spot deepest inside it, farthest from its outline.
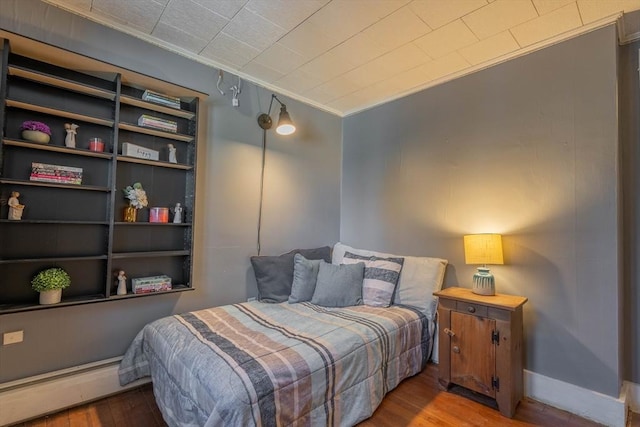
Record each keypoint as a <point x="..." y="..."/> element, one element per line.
<point x="12" y="337"/>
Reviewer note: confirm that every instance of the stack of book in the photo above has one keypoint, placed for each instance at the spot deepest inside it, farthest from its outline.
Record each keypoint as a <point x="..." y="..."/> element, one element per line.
<point x="158" y="123"/>
<point x="54" y="173"/>
<point x="162" y="99"/>
<point x="145" y="285"/>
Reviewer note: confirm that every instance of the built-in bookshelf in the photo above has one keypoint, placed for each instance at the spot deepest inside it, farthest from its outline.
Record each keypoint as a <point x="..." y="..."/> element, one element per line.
<point x="80" y="227"/>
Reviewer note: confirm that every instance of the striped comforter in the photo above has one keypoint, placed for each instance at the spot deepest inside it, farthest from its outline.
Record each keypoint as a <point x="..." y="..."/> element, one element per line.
<point x="257" y="364"/>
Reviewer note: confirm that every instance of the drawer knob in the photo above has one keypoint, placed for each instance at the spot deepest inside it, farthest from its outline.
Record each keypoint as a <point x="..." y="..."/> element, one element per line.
<point x="471" y="309"/>
<point x="449" y="332"/>
<point x="456" y="349"/>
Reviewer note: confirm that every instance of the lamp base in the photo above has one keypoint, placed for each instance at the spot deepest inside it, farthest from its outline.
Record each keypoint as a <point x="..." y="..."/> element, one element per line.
<point x="483" y="282"/>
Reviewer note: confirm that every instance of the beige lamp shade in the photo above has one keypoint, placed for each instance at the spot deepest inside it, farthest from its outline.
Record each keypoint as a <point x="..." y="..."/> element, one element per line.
<point x="483" y="249"/>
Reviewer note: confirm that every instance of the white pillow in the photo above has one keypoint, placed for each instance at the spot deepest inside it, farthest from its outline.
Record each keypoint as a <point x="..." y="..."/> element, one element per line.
<point x="419" y="279"/>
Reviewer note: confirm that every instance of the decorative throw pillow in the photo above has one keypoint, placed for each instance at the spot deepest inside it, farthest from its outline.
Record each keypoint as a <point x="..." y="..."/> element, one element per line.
<point x="339" y="285"/>
<point x="380" y="278"/>
<point x="419" y="279"/>
<point x="305" y="275"/>
<point x="274" y="274"/>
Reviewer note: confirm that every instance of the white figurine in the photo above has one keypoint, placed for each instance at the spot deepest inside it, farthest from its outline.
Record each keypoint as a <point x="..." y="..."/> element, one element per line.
<point x="70" y="139"/>
<point x="15" y="208"/>
<point x="172" y="154"/>
<point x="122" y="283"/>
<point x="177" y="214"/>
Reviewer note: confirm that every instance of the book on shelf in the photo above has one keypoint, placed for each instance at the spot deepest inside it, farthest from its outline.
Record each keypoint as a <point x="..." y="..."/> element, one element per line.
<point x="157" y="123"/>
<point x="44" y="172"/>
<point x="143" y="285"/>
<point x="160" y="98"/>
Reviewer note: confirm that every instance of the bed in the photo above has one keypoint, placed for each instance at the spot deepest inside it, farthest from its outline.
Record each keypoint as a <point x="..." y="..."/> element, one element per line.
<point x="279" y="363"/>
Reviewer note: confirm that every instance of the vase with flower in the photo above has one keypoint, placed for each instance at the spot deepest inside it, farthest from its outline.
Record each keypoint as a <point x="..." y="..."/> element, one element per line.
<point x="137" y="200"/>
<point x="35" y="132"/>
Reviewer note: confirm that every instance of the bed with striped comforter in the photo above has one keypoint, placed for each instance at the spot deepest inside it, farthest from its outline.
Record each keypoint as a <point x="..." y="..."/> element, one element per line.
<point x="258" y="364"/>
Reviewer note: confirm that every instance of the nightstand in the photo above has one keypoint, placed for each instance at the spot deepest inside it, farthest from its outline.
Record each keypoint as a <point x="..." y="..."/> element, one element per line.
<point x="480" y="344"/>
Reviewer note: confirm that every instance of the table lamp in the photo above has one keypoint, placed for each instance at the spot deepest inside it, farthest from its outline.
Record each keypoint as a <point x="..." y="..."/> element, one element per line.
<point x="483" y="249"/>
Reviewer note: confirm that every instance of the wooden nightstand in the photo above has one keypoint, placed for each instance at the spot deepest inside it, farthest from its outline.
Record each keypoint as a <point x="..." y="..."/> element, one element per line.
<point x="480" y="344"/>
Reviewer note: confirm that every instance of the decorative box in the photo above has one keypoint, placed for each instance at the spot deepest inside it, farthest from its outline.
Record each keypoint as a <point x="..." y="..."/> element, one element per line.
<point x="145" y="285"/>
<point x="159" y="215"/>
<point x="132" y="150"/>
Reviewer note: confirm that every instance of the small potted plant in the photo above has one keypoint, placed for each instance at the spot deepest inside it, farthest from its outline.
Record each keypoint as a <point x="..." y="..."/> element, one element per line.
<point x="35" y="132"/>
<point x="50" y="283"/>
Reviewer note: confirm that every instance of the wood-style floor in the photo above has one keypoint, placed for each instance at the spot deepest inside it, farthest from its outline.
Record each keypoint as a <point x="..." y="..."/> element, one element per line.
<point x="417" y="401"/>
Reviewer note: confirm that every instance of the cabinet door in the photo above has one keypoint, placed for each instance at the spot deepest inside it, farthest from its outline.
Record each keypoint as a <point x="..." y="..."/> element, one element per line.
<point x="473" y="355"/>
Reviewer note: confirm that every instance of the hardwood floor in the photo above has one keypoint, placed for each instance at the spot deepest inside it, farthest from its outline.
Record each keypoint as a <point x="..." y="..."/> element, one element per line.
<point x="416" y="402"/>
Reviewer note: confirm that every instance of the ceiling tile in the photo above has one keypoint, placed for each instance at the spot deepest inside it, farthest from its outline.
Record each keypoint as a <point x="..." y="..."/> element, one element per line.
<point x="285" y="13"/>
<point x="499" y="16"/>
<point x="224" y="47"/>
<point x="261" y="72"/>
<point x="434" y="70"/>
<point x="202" y="23"/>
<point x="345" y="18"/>
<point x="553" y="23"/>
<point x="298" y="81"/>
<point x="383" y="67"/>
<point x="226" y="8"/>
<point x="437" y="13"/>
<point x="397" y="29"/>
<point x="593" y="10"/>
<point x="333" y="89"/>
<point x="490" y="48"/>
<point x="309" y="40"/>
<point x="253" y="30"/>
<point x="327" y="66"/>
<point x="280" y="58"/>
<point x="177" y="37"/>
<point x="545" y="6"/>
<point x="141" y="14"/>
<point x="357" y="50"/>
<point x="446" y="39"/>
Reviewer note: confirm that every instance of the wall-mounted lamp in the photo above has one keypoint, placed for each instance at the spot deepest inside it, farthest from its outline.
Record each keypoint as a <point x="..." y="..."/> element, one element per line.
<point x="483" y="249"/>
<point x="285" y="124"/>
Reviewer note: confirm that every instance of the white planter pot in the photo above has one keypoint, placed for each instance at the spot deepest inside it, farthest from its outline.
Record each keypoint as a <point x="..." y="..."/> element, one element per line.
<point x="35" y="136"/>
<point x="50" y="297"/>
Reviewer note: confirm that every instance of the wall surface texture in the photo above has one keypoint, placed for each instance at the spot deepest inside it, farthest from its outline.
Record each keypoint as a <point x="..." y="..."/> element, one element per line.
<point x="528" y="149"/>
<point x="301" y="196"/>
<point x="629" y="106"/>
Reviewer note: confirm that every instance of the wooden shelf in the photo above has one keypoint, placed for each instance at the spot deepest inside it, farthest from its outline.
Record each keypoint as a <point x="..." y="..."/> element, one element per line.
<point x="56" y="148"/>
<point x="157" y="163"/>
<point x="53" y="259"/>
<point x="153" y="224"/>
<point x="136" y="102"/>
<point x="54" y="185"/>
<point x="85" y="299"/>
<point x="150" y="254"/>
<point x="53" y="221"/>
<point x="148" y="131"/>
<point x="59" y="113"/>
<point x="51" y="80"/>
<point x="176" y="288"/>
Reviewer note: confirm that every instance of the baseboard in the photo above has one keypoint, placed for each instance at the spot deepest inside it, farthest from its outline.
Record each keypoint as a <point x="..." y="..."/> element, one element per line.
<point x="59" y="390"/>
<point x="633" y="395"/>
<point x="589" y="404"/>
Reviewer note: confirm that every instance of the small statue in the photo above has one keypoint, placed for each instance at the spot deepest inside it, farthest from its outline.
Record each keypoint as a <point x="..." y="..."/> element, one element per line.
<point x="177" y="214"/>
<point x="122" y="283"/>
<point x="172" y="154"/>
<point x="15" y="208"/>
<point x="70" y="139"/>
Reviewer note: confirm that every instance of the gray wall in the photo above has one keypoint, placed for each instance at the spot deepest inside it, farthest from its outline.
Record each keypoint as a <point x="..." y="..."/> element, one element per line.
<point x="301" y="209"/>
<point x="527" y="148"/>
<point x="629" y="107"/>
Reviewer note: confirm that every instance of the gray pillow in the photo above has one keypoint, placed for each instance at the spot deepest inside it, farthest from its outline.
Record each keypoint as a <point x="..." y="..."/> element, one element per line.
<point x="305" y="275"/>
<point x="274" y="274"/>
<point x="339" y="285"/>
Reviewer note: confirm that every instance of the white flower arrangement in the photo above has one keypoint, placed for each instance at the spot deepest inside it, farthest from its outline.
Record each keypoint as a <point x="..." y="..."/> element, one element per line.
<point x="136" y="195"/>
